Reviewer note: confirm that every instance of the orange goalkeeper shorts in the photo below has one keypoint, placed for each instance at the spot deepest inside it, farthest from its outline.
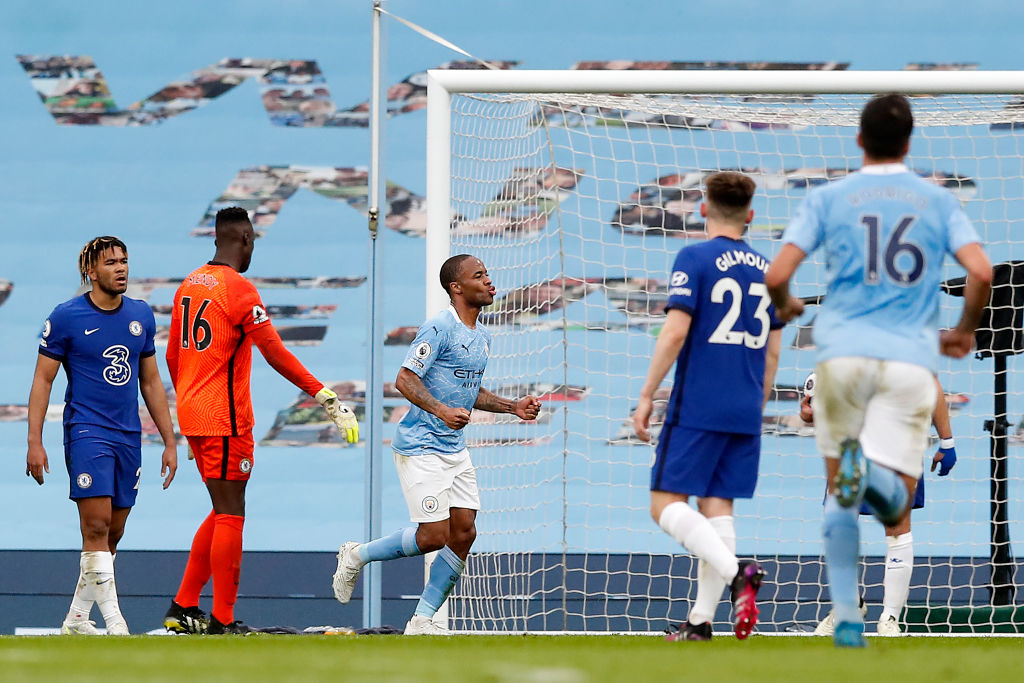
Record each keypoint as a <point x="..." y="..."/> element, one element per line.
<point x="223" y="457"/>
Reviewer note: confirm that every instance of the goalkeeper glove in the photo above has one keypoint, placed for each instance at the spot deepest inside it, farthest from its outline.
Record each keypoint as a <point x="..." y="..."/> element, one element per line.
<point x="340" y="414"/>
<point x="948" y="456"/>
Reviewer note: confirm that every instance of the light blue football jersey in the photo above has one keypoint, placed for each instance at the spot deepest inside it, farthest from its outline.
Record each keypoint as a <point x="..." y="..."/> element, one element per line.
<point x="450" y="358"/>
<point x="885" y="232"/>
<point x="100" y="351"/>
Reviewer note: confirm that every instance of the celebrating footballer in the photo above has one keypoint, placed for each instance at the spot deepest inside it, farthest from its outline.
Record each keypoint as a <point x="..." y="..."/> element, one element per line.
<point x="441" y="377"/>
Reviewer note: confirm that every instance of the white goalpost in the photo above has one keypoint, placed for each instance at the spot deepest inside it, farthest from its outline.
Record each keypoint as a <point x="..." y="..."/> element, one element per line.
<point x="576" y="189"/>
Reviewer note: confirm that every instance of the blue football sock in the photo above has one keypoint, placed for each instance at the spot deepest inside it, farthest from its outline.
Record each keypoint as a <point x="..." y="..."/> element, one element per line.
<point x="402" y="543"/>
<point x="886" y="494"/>
<point x="842" y="545"/>
<point x="444" y="572"/>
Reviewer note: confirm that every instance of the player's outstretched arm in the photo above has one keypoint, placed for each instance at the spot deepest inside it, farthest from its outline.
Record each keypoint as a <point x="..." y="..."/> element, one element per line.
<point x="666" y="351"/>
<point x="152" y="389"/>
<point x="268" y="341"/>
<point x="525" y="408"/>
<point x="945" y="456"/>
<point x="958" y="341"/>
<point x="411" y="386"/>
<point x="36" y="461"/>
<point x="777" y="280"/>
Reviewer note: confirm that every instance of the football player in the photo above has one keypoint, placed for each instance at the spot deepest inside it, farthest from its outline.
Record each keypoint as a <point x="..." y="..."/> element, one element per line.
<point x="885" y="232"/>
<point x="724" y="339"/>
<point x="899" y="552"/>
<point x="217" y="318"/>
<point x="441" y="376"/>
<point x="104" y="340"/>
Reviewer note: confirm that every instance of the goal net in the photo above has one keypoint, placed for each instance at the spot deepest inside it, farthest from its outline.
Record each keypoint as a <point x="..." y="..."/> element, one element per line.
<point x="577" y="203"/>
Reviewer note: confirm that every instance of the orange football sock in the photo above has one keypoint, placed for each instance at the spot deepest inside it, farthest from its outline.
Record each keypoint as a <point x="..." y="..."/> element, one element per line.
<point x="226" y="563"/>
<point x="197" y="571"/>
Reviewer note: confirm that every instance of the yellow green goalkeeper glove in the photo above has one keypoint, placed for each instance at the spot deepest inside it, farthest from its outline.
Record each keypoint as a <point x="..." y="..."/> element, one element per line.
<point x="340" y="414"/>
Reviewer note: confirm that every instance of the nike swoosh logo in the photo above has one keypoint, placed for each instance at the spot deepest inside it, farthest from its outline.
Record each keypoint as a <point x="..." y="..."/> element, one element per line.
<point x="88" y="332"/>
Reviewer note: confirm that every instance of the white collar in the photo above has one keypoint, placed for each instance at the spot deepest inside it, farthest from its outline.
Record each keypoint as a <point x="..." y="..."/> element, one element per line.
<point x="884" y="169"/>
<point x="455" y="314"/>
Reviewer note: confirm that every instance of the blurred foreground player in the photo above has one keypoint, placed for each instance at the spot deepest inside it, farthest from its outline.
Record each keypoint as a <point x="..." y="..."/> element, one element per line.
<point x="218" y="316"/>
<point x="441" y="377"/>
<point x="104" y="340"/>
<point x="885" y="232"/>
<point x="899" y="542"/>
<point x="722" y="335"/>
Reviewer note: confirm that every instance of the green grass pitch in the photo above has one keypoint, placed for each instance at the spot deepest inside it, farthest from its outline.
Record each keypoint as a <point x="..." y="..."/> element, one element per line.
<point x="544" y="659"/>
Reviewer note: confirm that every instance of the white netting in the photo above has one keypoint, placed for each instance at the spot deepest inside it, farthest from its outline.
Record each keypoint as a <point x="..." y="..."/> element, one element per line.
<point x="577" y="204"/>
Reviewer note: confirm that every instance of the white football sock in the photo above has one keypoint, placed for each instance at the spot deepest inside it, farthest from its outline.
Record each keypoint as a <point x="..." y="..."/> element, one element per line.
<point x="710" y="583"/>
<point x="98" y="570"/>
<point x="694" y="532"/>
<point x="899" y="565"/>
<point x="81" y="601"/>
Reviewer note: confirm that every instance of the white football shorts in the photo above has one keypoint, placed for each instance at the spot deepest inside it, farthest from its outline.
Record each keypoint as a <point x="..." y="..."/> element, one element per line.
<point x="886" y="405"/>
<point x="433" y="483"/>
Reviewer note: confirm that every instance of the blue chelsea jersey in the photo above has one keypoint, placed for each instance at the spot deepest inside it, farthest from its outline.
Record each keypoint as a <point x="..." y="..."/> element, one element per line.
<point x="719" y="378"/>
<point x="100" y="351"/>
<point x="885" y="232"/>
<point x="450" y="358"/>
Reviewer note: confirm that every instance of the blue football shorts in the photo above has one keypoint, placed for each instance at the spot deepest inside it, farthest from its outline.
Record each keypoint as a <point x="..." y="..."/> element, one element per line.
<point x="99" y="466"/>
<point x="696" y="462"/>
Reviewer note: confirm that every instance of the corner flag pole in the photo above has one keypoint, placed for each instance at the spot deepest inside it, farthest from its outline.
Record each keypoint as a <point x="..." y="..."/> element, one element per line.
<point x="375" y="368"/>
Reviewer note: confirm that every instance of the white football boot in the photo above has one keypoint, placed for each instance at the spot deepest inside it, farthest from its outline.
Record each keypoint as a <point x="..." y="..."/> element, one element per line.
<point x="889" y="627"/>
<point x="827" y="626"/>
<point x="349" y="566"/>
<point x="79" y="627"/>
<point x="420" y="625"/>
<point x="118" y="628"/>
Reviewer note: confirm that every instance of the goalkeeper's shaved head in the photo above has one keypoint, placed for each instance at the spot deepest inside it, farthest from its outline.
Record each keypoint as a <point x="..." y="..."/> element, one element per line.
<point x="728" y="195"/>
<point x="231" y="223"/>
<point x="234" y="237"/>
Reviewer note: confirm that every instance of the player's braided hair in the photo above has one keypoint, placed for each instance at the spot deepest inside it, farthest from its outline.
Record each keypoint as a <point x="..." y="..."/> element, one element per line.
<point x="91" y="253"/>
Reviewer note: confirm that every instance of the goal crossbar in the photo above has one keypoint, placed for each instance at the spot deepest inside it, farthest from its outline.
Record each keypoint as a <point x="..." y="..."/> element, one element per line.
<point x="729" y="82"/>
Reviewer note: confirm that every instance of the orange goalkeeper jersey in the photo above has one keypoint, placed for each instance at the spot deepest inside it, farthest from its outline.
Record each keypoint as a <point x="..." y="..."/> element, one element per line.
<point x="209" y="351"/>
